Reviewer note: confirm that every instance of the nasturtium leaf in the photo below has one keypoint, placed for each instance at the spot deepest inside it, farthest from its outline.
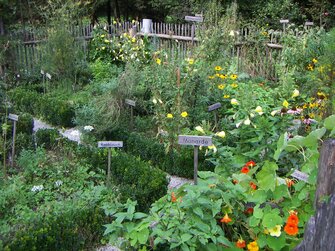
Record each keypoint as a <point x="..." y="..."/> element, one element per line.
<point x="330" y="122"/>
<point x="253" y="221"/>
<point x="311" y="139"/>
<point x="295" y="143"/>
<point x="259" y="196"/>
<point x="276" y="243"/>
<point x="280" y="145"/>
<point x="258" y="212"/>
<point x="280" y="192"/>
<point x="266" y="177"/>
<point x="270" y="220"/>
<point x="303" y="194"/>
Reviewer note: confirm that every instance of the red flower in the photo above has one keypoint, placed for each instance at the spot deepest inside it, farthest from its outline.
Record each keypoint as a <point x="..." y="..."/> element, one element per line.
<point x="226" y="219"/>
<point x="291" y="229"/>
<point x="173" y="197"/>
<point x="249" y="210"/>
<point x="250" y="163"/>
<point x="253" y="185"/>
<point x="245" y="170"/>
<point x="240" y="243"/>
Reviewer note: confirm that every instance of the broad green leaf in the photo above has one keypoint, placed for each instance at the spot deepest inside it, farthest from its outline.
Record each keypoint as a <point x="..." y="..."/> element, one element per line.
<point x="280" y="192"/>
<point x="223" y="240"/>
<point x="330" y="122"/>
<point x="198" y="211"/>
<point x="185" y="237"/>
<point x="280" y="145"/>
<point x="216" y="207"/>
<point x="258" y="212"/>
<point x="295" y="143"/>
<point x="267" y="176"/>
<point x="143" y="236"/>
<point x="311" y="139"/>
<point x="270" y="220"/>
<point x="139" y="215"/>
<point x="253" y="221"/>
<point x="259" y="196"/>
<point x="276" y="243"/>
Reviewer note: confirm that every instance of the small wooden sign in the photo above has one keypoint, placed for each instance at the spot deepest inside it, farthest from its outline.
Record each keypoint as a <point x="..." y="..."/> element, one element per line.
<point x="130" y="102"/>
<point x="214" y="107"/>
<point x="110" y="144"/>
<point x="309" y="23"/>
<point x="13" y="117"/>
<point x="300" y="175"/>
<point x="195" y="140"/>
<point x="284" y="21"/>
<point x="198" y="19"/>
<point x="48" y="76"/>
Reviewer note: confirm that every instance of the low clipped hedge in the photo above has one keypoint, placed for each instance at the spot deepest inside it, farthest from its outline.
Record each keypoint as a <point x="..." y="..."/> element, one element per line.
<point x="138" y="180"/>
<point x="58" y="111"/>
<point x="177" y="162"/>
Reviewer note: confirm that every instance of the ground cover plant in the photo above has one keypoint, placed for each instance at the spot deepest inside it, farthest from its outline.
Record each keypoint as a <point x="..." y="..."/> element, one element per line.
<point x="276" y="108"/>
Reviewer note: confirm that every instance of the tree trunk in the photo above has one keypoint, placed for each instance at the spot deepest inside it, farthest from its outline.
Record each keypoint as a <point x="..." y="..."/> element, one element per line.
<point x="116" y="9"/>
<point x="109" y="12"/>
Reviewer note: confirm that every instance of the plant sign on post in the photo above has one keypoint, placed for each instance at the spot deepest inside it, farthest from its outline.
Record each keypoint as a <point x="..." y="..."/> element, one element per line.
<point x="195" y="141"/>
<point x="215" y="108"/>
<point x="194" y="19"/>
<point x="109" y="145"/>
<point x="284" y="22"/>
<point x="132" y="104"/>
<point x="14" y="118"/>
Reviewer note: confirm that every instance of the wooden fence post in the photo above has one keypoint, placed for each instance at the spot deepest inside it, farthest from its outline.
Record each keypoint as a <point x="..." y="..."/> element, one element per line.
<point x="320" y="230"/>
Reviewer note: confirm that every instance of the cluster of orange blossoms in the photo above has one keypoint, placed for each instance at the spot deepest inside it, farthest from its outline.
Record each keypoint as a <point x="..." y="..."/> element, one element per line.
<point x="245" y="169"/>
<point x="291" y="227"/>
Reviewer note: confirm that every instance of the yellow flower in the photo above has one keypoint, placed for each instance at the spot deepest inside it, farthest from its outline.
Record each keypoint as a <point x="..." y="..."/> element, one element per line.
<point x="213" y="147"/>
<point x="234" y="85"/>
<point x="226" y="96"/>
<point x="169" y="116"/>
<point x="259" y="110"/>
<point x="133" y="21"/>
<point x="295" y="93"/>
<point x="106" y="41"/>
<point x="114" y="22"/>
<point x="221" y="134"/>
<point x="199" y="129"/>
<point x="264" y="33"/>
<point x="211" y="77"/>
<point x="234" y="101"/>
<point x="253" y="246"/>
<point x="223" y="76"/>
<point x="133" y="40"/>
<point x="190" y="61"/>
<point x="233" y="76"/>
<point x="158" y="61"/>
<point x="103" y="48"/>
<point x="217" y="74"/>
<point x="310" y="67"/>
<point x="218" y="68"/>
<point x="154" y="101"/>
<point x="314" y="60"/>
<point x="102" y="36"/>
<point x="221" y="86"/>
<point x="184" y="114"/>
<point x="275" y="231"/>
<point x="285" y="103"/>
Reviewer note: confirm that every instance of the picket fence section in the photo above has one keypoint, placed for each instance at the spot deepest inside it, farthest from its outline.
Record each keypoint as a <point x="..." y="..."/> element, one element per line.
<point x="177" y="39"/>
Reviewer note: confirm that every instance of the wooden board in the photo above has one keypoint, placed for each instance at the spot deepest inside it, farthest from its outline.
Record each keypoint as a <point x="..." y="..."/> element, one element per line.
<point x="195" y="140"/>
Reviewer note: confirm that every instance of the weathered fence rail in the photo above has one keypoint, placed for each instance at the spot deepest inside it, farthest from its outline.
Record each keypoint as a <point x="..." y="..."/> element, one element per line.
<point x="178" y="39"/>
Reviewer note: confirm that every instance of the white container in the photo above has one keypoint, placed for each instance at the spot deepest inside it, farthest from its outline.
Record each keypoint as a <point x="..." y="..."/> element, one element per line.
<point x="146" y="26"/>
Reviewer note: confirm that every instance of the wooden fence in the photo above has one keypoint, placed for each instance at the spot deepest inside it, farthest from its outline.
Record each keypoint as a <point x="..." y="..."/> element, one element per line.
<point x="178" y="39"/>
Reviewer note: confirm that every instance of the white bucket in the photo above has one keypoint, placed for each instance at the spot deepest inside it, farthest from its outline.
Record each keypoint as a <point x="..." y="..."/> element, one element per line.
<point x="146" y="26"/>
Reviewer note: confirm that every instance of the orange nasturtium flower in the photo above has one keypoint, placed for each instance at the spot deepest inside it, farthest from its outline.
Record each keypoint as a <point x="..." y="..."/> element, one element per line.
<point x="253" y="185"/>
<point x="291" y="229"/>
<point x="293" y="219"/>
<point x="289" y="182"/>
<point x="245" y="170"/>
<point x="253" y="246"/>
<point x="226" y="219"/>
<point x="240" y="243"/>
<point x="173" y="197"/>
<point x="251" y="163"/>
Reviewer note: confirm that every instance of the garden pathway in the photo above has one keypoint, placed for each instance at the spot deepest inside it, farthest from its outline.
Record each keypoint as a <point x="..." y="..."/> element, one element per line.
<point x="74" y="135"/>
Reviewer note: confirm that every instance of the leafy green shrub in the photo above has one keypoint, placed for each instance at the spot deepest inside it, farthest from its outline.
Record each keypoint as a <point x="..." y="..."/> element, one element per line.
<point x="23" y="141"/>
<point x="25" y="100"/>
<point x="47" y="138"/>
<point x="25" y="123"/>
<point x="138" y="180"/>
<point x="57" y="111"/>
